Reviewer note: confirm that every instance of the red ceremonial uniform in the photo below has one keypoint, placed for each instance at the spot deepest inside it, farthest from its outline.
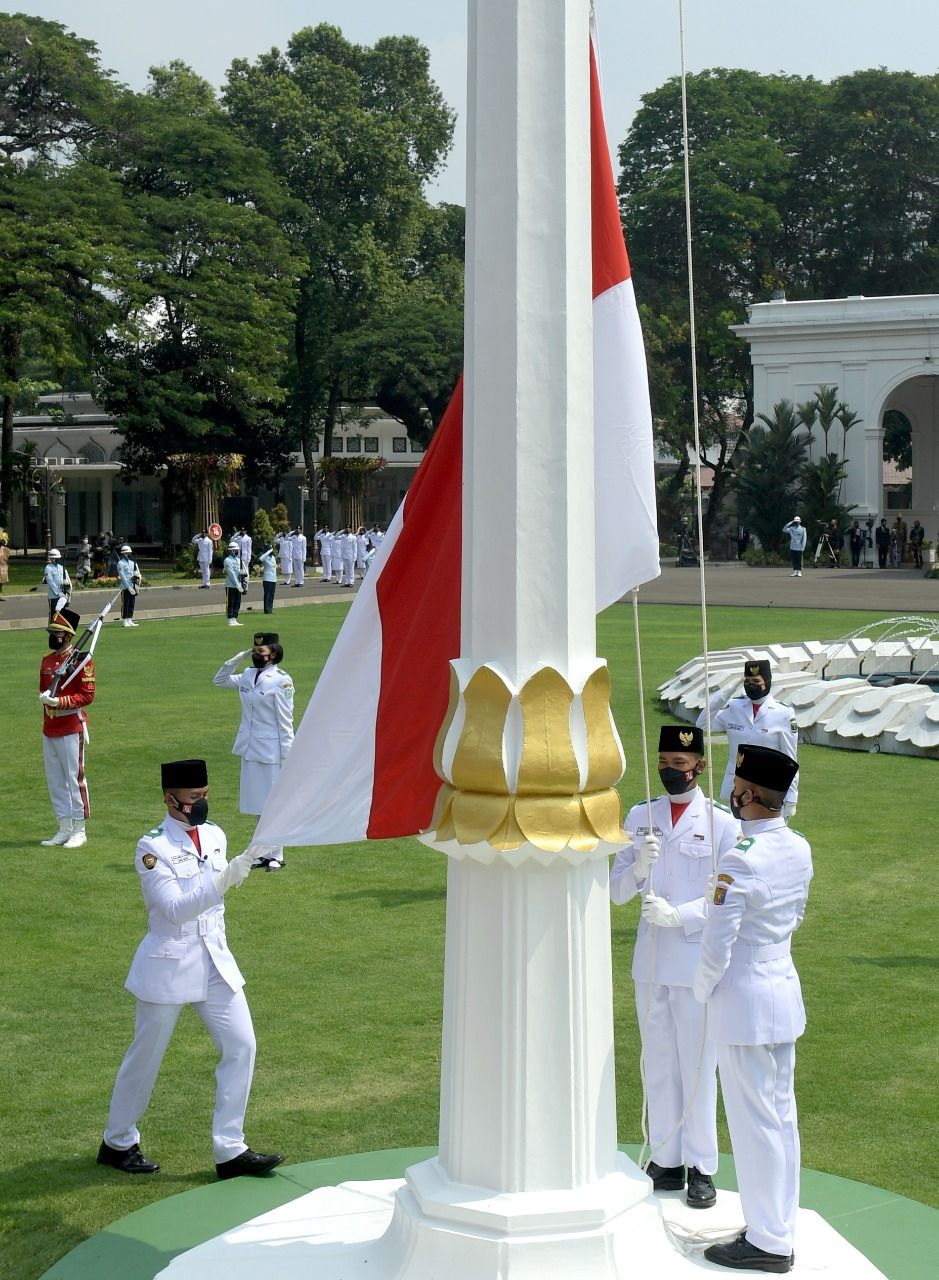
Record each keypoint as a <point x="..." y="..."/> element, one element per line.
<point x="69" y="716"/>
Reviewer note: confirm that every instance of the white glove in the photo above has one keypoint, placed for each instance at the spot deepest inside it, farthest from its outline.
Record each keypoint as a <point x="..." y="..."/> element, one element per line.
<point x="238" y="656"/>
<point x="48" y="699"/>
<point x="234" y="872"/>
<point x="645" y="858"/>
<point x="658" y="911"/>
<point x="710" y="887"/>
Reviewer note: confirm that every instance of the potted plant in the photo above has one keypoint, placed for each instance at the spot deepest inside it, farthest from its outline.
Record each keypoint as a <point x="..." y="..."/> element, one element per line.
<point x="929" y="553"/>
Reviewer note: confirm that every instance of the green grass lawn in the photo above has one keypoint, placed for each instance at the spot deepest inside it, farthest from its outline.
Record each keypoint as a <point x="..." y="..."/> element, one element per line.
<point x="343" y="952"/>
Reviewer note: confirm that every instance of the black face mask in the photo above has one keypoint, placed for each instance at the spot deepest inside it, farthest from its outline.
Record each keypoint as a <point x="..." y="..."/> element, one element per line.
<point x="735" y="806"/>
<point x="677" y="781"/>
<point x="198" y="812"/>
<point x="57" y="640"/>
<point x="753" y="691"/>
<point x="259" y="661"/>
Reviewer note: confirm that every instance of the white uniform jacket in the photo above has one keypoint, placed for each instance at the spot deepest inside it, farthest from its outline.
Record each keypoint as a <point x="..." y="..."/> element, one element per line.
<point x="298" y="548"/>
<point x="205" y="549"/>
<point x="680" y="876"/>
<point x="773" y="726"/>
<point x="745" y="971"/>
<point x="186" y="935"/>
<point x="266" y="730"/>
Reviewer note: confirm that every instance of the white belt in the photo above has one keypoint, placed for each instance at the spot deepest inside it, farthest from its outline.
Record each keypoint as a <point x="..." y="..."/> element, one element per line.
<point x="201" y="927"/>
<point x="753" y="953"/>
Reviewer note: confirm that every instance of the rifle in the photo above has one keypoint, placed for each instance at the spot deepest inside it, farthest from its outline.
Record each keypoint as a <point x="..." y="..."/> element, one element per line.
<point x="82" y="650"/>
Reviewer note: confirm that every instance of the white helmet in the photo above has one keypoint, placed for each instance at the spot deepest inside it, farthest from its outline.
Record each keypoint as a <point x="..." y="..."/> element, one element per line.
<point x="233" y="546"/>
<point x="55" y="554"/>
<point x="796" y="519"/>
<point x="126" y="551"/>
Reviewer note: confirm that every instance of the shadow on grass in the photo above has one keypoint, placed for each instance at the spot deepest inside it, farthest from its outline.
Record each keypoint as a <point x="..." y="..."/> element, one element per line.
<point x="395" y="897"/>
<point x="898" y="962"/>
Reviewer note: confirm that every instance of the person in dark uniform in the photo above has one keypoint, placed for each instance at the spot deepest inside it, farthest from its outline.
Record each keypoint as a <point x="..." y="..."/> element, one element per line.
<point x="882" y="538"/>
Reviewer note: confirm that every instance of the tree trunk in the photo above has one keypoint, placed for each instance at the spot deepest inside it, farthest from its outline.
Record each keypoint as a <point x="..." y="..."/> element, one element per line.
<point x="9" y="370"/>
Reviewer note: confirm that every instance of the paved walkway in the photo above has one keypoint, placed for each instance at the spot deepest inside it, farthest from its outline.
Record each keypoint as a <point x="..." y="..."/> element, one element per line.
<point x="30" y="612"/>
<point x="886" y="591"/>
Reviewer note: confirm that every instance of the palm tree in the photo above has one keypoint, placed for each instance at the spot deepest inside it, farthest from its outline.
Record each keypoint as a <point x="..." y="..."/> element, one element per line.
<point x="826" y="406"/>
<point x="768" y="472"/>
<point x="807" y="413"/>
<point x="848" y="419"/>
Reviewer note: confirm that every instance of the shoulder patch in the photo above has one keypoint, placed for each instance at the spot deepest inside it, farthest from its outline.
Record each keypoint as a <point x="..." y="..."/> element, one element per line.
<point x="724" y="878"/>
<point x="724" y="808"/>
<point x="149" y="860"/>
<point x="793" y="725"/>
<point x="744" y="843"/>
<point x="720" y="893"/>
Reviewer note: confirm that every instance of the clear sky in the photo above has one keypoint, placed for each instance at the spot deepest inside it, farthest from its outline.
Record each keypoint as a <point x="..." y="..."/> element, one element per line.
<point x="639" y="41"/>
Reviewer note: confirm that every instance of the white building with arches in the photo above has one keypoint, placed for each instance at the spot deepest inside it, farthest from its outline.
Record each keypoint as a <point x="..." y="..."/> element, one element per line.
<point x="882" y="354"/>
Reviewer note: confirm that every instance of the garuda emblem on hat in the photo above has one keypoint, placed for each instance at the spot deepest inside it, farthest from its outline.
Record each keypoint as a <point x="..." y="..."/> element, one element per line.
<point x="685" y="738"/>
<point x="739" y="757"/>
<point x="753" y="669"/>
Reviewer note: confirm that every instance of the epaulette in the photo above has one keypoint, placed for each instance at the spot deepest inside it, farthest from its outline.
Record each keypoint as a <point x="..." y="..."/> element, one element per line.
<point x="744" y="843"/>
<point x="724" y="808"/>
<point x="797" y="832"/>
<point x="157" y="831"/>
<point x="208" y="823"/>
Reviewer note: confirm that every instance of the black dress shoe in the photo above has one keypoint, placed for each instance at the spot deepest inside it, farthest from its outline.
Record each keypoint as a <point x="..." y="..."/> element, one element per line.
<point x="744" y="1256"/>
<point x="250" y="1164"/>
<point x="701" y="1193"/>
<point x="130" y="1161"/>
<point x="666" y="1179"/>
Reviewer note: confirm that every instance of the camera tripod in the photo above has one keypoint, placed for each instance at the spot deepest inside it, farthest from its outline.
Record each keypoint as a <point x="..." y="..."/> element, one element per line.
<point x="825" y="548"/>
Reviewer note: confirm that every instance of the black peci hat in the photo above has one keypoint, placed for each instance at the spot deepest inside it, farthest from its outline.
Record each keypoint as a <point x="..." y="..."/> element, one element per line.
<point x="266" y="637"/>
<point x="184" y="773"/>
<point x="765" y="767"/>
<point x="758" y="667"/>
<point x="681" y="737"/>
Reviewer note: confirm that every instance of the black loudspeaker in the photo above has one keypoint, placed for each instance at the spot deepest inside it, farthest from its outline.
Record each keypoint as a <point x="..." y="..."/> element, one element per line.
<point x="237" y="512"/>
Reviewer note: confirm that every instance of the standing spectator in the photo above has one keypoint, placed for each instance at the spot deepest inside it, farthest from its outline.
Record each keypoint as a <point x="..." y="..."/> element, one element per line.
<point x="797" y="540"/>
<point x="58" y="583"/>
<point x="899" y="532"/>
<point x="83" y="561"/>
<point x="669" y="866"/>
<point x="285" y="550"/>
<point x="112" y="544"/>
<point x="743" y="540"/>
<point x="755" y="1013"/>
<point x="99" y="557"/>
<point x="4" y="560"/>
<point x="128" y="575"/>
<point x="205" y="549"/>
<point x="882" y="538"/>
<point x="268" y="578"/>
<point x="265" y="734"/>
<point x="917" y="535"/>
<point x="298" y="549"/>
<point x="64" y="731"/>
<point x="836" y="542"/>
<point x="231" y="567"/>
<point x="856" y="542"/>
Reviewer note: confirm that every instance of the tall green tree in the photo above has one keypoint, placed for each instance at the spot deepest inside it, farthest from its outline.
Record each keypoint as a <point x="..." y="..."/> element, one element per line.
<point x="63" y="226"/>
<point x="769" y="473"/>
<point x="355" y="133"/>
<point x="200" y="365"/>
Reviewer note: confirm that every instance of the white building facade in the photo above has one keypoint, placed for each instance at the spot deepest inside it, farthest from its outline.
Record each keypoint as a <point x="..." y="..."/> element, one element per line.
<point x="81" y="444"/>
<point x="882" y="354"/>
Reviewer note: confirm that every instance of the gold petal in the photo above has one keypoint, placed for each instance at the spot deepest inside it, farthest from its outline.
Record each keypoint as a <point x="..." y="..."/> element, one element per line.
<point x="604" y="762"/>
<point x="442" y="822"/>
<point x="447" y="721"/>
<point x="476" y="815"/>
<point x="477" y="764"/>
<point x="605" y="815"/>
<point x="509" y="835"/>
<point x="583" y="841"/>
<point x="549" y="765"/>
<point x="548" y="822"/>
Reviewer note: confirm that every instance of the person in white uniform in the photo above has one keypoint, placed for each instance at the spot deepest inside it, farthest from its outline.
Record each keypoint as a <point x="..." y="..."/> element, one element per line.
<point x="755" y="1013"/>
<point x="285" y="551"/>
<point x="347" y="546"/>
<point x="205" y="550"/>
<point x="758" y="718"/>
<point x="361" y="546"/>
<point x="247" y="546"/>
<point x="323" y="539"/>
<point x="184" y="959"/>
<point x="298" y="550"/>
<point x="670" y="866"/>
<point x="266" y="731"/>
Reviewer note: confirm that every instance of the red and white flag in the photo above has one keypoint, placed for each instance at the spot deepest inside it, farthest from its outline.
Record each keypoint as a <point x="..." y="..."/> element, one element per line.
<point x="361" y="767"/>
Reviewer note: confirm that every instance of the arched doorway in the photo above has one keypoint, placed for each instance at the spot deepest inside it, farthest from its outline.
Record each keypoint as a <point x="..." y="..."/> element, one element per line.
<point x="916" y="401"/>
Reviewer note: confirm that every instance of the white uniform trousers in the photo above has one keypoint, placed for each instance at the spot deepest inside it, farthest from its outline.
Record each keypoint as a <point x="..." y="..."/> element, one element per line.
<point x="757" y="1081"/>
<point x="64" y="759"/>
<point x="672" y="1028"/>
<point x="327" y="559"/>
<point x="286" y="568"/>
<point x="347" y="577"/>
<point x="298" y="570"/>
<point x="205" y="567"/>
<point x="228" y="1021"/>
